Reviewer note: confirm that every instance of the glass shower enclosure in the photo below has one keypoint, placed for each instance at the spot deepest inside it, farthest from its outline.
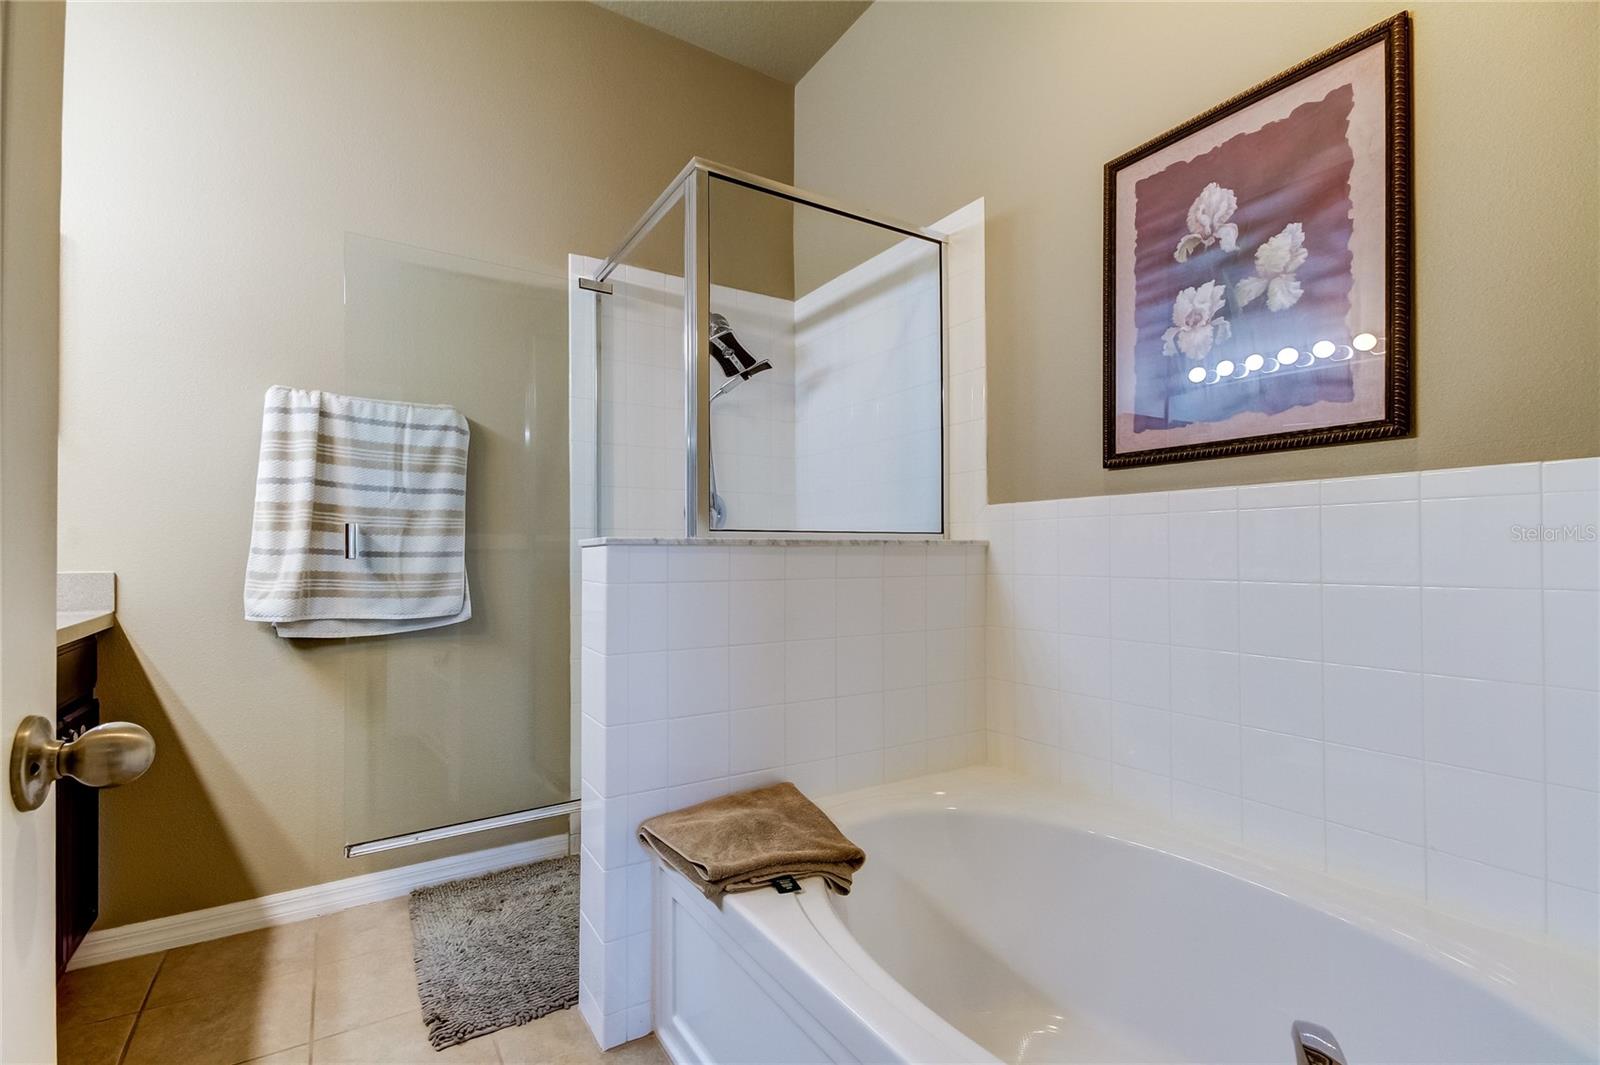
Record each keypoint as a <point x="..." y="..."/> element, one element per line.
<point x="764" y="360"/>
<point x="461" y="729"/>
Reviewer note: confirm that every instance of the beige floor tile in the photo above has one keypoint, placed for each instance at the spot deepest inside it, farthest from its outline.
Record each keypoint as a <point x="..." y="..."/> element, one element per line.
<point x="562" y="1038"/>
<point x="99" y="1043"/>
<point x="364" y="930"/>
<point x="233" y="965"/>
<point x="272" y="1014"/>
<point x="357" y="991"/>
<point x="398" y="1041"/>
<point x="644" y="1051"/>
<point x="84" y="996"/>
<point x="559" y="1038"/>
<point x="300" y="1055"/>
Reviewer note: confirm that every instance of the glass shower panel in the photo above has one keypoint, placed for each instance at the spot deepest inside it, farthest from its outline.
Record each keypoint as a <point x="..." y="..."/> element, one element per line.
<point x="827" y="376"/>
<point x="471" y="721"/>
<point x="640" y="350"/>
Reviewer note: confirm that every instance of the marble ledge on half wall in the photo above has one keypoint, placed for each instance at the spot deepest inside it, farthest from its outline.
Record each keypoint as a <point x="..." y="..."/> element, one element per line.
<point x="774" y="541"/>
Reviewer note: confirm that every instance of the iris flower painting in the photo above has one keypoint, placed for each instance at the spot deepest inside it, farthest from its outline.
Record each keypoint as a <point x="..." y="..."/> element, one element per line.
<point x="1258" y="266"/>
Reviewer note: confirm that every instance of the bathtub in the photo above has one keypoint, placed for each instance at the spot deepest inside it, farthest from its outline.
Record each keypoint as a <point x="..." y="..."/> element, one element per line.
<point x="998" y="920"/>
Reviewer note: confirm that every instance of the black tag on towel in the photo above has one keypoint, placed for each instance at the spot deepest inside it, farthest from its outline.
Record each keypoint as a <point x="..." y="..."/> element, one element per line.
<point x="785" y="885"/>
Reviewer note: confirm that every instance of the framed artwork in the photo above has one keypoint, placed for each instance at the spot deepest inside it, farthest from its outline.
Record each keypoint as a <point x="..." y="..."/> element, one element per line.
<point x="1258" y="266"/>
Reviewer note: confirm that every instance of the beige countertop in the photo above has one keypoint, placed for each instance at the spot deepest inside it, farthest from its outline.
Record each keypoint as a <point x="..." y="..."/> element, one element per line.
<point x="86" y="603"/>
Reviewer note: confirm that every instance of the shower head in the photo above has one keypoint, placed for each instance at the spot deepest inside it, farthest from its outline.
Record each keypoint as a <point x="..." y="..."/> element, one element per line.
<point x="737" y="364"/>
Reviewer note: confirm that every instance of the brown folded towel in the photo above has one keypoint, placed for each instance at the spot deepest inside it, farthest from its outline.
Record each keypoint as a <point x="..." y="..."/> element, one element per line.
<point x="745" y="841"/>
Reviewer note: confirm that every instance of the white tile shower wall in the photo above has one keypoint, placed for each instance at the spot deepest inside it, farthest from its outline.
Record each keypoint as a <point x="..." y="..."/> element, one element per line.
<point x="867" y="395"/>
<point x="707" y="669"/>
<point x="753" y="425"/>
<point x="640" y="413"/>
<point x="867" y="431"/>
<point x="1390" y="678"/>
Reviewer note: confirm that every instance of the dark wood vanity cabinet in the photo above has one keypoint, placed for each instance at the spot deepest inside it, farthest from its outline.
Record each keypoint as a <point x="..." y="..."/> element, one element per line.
<point x="77" y="806"/>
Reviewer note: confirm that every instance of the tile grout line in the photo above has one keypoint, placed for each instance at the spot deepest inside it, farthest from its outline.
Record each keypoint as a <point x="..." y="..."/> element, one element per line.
<point x="127" y="1044"/>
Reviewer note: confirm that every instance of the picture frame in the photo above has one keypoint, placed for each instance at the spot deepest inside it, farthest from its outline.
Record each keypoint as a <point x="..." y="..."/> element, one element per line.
<point x="1258" y="266"/>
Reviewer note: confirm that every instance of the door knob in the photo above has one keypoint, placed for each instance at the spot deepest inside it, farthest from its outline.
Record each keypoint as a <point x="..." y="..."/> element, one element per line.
<point x="105" y="756"/>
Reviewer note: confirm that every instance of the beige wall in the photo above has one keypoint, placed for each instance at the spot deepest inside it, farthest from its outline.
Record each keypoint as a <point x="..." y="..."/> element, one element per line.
<point x="215" y="157"/>
<point x="922" y="107"/>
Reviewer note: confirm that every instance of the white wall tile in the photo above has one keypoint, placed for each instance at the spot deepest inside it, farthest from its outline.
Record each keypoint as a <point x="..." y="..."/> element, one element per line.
<point x="1280" y="544"/>
<point x="1086" y="725"/>
<point x="756" y="610"/>
<point x="809" y="731"/>
<point x="1284" y="834"/>
<point x="697" y="748"/>
<point x="1481" y="481"/>
<point x="859" y="722"/>
<point x="755" y="739"/>
<point x="1284" y="620"/>
<point x="697" y="614"/>
<point x="1574" y="915"/>
<point x="1376" y="709"/>
<point x="1571" y="475"/>
<point x="1490" y="633"/>
<point x="1370" y="543"/>
<point x="809" y="608"/>
<point x="1484" y="724"/>
<point x="1572" y="738"/>
<point x="1205" y="614"/>
<point x="1085" y="605"/>
<point x="1366" y="625"/>
<point x="1572" y="829"/>
<point x="1204" y="544"/>
<point x="1141" y="738"/>
<point x="1214" y="812"/>
<point x="1377" y="793"/>
<point x="1571" y="546"/>
<point x="756" y="675"/>
<point x="1485" y="891"/>
<point x="1281" y="694"/>
<point x="1138" y="544"/>
<point x="1086" y="665"/>
<point x="859" y="664"/>
<point x="1283" y="494"/>
<point x="1571" y="639"/>
<point x="1471" y="543"/>
<point x="859" y="603"/>
<point x="1379" y="488"/>
<point x="1084" y="545"/>
<point x="1377" y="860"/>
<point x="1206" y="752"/>
<point x="1141" y="673"/>
<point x="809" y="670"/>
<point x="1205" y="683"/>
<point x="1486" y="817"/>
<point x="1282" y="771"/>
<point x="1140" y="609"/>
<point x="1151" y="792"/>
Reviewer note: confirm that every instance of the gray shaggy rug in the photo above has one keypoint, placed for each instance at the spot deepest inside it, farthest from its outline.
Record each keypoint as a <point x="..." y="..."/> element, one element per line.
<point x="497" y="950"/>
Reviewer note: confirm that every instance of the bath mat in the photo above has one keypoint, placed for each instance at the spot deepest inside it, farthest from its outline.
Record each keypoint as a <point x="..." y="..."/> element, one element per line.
<point x="497" y="950"/>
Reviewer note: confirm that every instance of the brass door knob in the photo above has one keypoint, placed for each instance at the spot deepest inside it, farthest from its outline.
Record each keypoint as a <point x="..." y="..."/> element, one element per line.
<point x="105" y="756"/>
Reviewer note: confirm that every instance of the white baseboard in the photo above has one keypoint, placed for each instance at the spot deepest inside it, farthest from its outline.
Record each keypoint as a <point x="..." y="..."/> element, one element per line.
<point x="164" y="933"/>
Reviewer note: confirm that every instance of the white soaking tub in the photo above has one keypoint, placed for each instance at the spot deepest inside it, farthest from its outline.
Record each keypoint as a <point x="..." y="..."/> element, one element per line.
<point x="997" y="920"/>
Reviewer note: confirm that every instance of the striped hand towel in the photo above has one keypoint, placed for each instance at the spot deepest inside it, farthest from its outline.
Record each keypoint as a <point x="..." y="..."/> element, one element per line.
<point x="360" y="517"/>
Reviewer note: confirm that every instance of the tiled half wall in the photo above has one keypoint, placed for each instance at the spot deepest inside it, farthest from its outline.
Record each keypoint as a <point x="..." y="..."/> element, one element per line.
<point x="709" y="668"/>
<point x="1392" y="678"/>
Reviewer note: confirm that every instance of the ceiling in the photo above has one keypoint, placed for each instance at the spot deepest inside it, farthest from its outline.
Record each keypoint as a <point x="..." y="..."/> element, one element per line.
<point x="781" y="38"/>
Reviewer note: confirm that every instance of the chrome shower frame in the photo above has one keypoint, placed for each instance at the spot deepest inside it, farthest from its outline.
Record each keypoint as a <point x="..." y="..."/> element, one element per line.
<point x="692" y="187"/>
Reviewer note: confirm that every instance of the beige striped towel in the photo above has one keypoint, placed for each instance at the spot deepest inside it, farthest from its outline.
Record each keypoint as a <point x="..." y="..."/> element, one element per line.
<point x="360" y="517"/>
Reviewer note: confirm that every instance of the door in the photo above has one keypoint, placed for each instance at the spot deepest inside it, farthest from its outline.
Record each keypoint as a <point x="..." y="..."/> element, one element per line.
<point x="30" y="235"/>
